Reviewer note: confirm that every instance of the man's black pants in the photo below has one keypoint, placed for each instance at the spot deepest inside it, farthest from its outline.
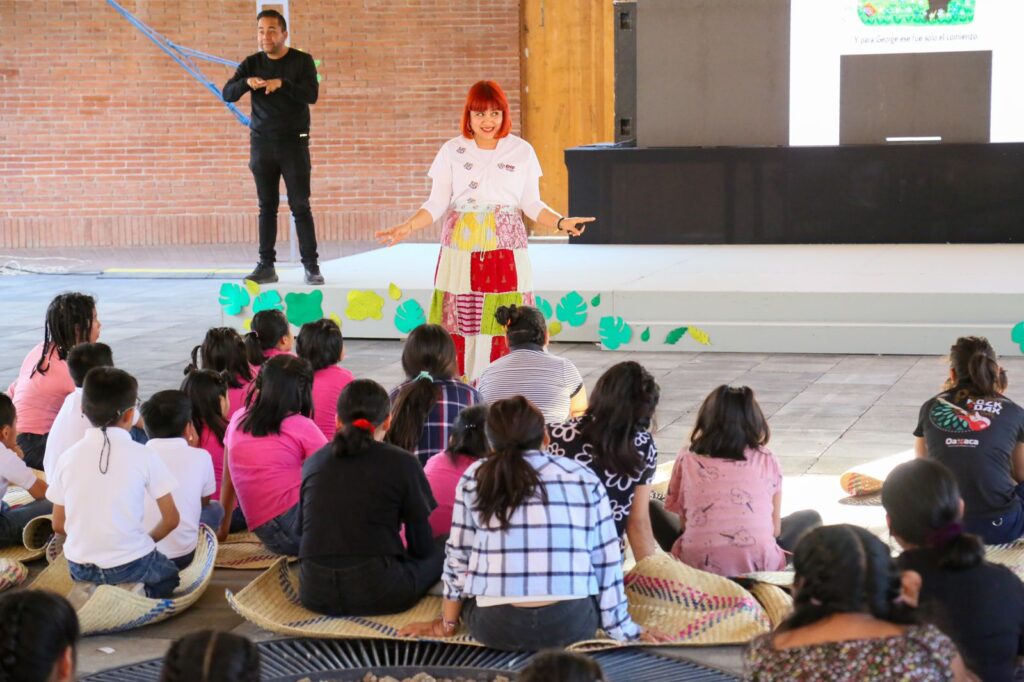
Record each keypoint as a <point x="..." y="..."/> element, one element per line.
<point x="270" y="159"/>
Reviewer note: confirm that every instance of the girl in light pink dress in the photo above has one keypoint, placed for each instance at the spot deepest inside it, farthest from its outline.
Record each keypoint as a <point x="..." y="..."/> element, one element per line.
<point x="726" y="488"/>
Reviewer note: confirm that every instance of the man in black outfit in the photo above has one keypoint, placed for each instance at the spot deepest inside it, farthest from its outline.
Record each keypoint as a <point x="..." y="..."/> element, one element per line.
<point x="283" y="84"/>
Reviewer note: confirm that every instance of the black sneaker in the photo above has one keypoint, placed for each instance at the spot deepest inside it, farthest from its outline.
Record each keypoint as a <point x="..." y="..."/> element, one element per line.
<point x="263" y="274"/>
<point x="313" y="276"/>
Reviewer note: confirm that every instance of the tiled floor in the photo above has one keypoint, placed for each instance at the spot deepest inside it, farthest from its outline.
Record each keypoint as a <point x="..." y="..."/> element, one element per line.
<point x="827" y="412"/>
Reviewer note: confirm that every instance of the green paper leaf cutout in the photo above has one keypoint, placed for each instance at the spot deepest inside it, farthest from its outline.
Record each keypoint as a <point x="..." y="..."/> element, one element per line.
<point x="363" y="305"/>
<point x="572" y="309"/>
<point x="543" y="305"/>
<point x="596" y="301"/>
<point x="646" y="335"/>
<point x="268" y="300"/>
<point x="409" y="316"/>
<point x="673" y="336"/>
<point x="614" y="332"/>
<point x="1017" y="335"/>
<point x="303" y="308"/>
<point x="233" y="297"/>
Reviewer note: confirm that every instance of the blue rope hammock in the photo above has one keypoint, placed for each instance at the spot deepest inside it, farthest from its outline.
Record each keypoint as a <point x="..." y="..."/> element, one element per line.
<point x="183" y="56"/>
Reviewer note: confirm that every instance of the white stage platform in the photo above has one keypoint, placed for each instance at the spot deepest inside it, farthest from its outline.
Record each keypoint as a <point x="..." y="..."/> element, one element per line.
<point x="901" y="299"/>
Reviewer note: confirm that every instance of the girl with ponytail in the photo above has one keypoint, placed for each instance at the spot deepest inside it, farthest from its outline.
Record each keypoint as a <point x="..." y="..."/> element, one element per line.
<point x="38" y="637"/>
<point x="533" y="559"/>
<point x="978" y="433"/>
<point x="853" y="619"/>
<point x="271" y="335"/>
<point x="358" y="495"/>
<point x="979" y="604"/>
<point x="223" y="350"/>
<point x="424" y="407"/>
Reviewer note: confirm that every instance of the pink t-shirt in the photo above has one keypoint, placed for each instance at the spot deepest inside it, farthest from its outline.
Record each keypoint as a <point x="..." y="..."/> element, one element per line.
<point x="38" y="398"/>
<point x="267" y="470"/>
<point x="208" y="441"/>
<point x="727" y="509"/>
<point x="328" y="384"/>
<point x="443" y="476"/>
<point x="236" y="396"/>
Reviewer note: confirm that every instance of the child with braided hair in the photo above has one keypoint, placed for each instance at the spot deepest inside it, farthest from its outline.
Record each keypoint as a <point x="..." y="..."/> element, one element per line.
<point x="38" y="637"/>
<point x="44" y="380"/>
<point x="211" y="656"/>
<point x="977" y="603"/>
<point x="854" y="619"/>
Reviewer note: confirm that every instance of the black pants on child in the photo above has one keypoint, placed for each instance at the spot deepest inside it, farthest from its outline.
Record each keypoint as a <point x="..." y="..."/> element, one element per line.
<point x="270" y="159"/>
<point x="666" y="528"/>
<point x="517" y="628"/>
<point x="34" y="447"/>
<point x="367" y="586"/>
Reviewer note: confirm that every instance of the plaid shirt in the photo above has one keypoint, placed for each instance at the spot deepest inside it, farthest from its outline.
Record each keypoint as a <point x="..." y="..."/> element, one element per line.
<point x="455" y="397"/>
<point x="567" y="547"/>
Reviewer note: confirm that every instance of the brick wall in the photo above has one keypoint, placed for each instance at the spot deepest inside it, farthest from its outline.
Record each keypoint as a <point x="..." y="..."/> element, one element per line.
<point x="105" y="140"/>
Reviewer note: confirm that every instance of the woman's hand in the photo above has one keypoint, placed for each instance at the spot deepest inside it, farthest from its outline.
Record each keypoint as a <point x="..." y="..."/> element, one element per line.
<point x="574" y="227"/>
<point x="652" y="636"/>
<point x="393" y="235"/>
<point x="433" y="628"/>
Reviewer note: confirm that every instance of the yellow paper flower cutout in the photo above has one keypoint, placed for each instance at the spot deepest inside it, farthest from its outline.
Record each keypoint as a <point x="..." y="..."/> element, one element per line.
<point x="363" y="305"/>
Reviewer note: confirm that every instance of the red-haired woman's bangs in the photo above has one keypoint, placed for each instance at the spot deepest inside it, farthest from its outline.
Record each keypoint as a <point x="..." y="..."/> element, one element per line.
<point x="482" y="96"/>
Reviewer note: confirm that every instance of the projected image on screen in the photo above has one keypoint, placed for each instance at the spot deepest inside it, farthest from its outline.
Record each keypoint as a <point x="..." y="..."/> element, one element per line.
<point x="916" y="12"/>
<point x="905" y="71"/>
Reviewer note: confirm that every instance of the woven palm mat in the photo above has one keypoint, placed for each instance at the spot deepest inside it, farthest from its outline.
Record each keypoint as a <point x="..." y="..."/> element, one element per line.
<point x="113" y="609"/>
<point x="1010" y="555"/>
<point x="245" y="552"/>
<point x="12" y="574"/>
<point x="868" y="478"/>
<point x="37" y="533"/>
<point x="865" y="500"/>
<point x="697" y="608"/>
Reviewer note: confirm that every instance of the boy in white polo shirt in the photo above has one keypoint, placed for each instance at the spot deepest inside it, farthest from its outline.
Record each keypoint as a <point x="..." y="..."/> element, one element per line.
<point x="99" y="492"/>
<point x="168" y="417"/>
<point x="14" y="470"/>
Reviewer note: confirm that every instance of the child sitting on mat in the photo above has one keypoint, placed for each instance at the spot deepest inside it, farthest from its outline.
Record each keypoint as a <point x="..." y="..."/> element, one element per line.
<point x="168" y="416"/>
<point x="978" y="433"/>
<point x="424" y="407"/>
<point x="39" y="637"/>
<point x="208" y="392"/>
<point x="977" y="603"/>
<point x="13" y="470"/>
<point x="223" y="350"/>
<point x="466" y="444"/>
<point x="271" y="335"/>
<point x="44" y="381"/>
<point x="322" y="345"/>
<point x="99" y="492"/>
<point x="265" y="446"/>
<point x="727" y="490"/>
<point x="357" y="494"/>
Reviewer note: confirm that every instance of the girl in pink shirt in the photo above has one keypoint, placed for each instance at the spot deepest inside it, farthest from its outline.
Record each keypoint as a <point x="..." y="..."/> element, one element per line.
<point x="466" y="444"/>
<point x="727" y="490"/>
<point x="223" y="350"/>
<point x="322" y="345"/>
<point x="271" y="335"/>
<point x="44" y="380"/>
<point x="265" y="446"/>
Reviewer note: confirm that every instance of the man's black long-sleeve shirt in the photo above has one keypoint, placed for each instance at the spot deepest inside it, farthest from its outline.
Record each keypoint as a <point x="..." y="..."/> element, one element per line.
<point x="284" y="112"/>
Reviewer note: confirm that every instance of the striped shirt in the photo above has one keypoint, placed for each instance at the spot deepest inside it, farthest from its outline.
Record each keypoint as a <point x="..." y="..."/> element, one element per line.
<point x="566" y="547"/>
<point x="454" y="397"/>
<point x="548" y="381"/>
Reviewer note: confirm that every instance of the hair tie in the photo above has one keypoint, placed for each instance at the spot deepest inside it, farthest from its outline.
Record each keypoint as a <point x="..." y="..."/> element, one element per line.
<point x="941" y="537"/>
<point x="364" y="424"/>
<point x="424" y="375"/>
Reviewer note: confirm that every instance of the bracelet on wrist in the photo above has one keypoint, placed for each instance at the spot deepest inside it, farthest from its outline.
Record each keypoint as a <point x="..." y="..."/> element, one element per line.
<point x="558" y="225"/>
<point x="449" y="625"/>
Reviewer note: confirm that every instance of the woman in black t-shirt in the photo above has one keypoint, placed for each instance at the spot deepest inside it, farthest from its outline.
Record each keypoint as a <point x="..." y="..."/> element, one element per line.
<point x="978" y="433"/>
<point x="357" y="495"/>
<point x="980" y="605"/>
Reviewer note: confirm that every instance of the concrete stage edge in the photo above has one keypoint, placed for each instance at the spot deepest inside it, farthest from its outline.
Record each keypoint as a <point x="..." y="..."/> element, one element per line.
<point x="891" y="299"/>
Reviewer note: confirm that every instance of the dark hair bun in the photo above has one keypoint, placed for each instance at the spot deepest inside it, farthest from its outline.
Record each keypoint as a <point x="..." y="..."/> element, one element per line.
<point x="506" y="315"/>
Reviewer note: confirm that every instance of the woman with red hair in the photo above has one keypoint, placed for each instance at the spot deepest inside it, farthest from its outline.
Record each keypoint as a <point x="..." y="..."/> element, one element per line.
<point x="483" y="181"/>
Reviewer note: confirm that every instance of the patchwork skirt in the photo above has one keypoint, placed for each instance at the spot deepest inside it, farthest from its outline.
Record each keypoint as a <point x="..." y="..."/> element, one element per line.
<point x="483" y="265"/>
